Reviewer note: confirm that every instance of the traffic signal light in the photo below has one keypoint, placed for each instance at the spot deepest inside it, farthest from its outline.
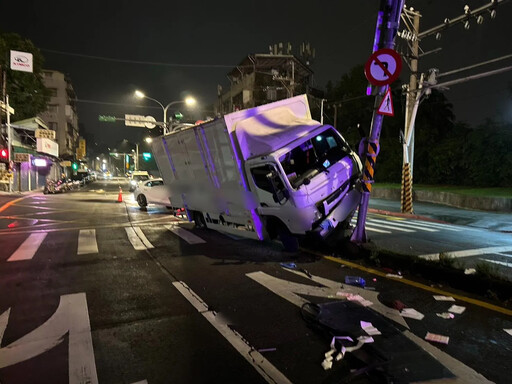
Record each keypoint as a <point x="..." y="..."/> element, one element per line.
<point x="4" y="155"/>
<point x="178" y="116"/>
<point x="74" y="166"/>
<point x="146" y="156"/>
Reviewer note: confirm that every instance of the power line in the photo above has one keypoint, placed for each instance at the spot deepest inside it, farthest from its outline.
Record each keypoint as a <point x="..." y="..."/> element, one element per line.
<point x="140" y="62"/>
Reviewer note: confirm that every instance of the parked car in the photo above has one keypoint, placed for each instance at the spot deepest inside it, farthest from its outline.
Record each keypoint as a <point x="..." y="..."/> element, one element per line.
<point x="136" y="177"/>
<point x="151" y="192"/>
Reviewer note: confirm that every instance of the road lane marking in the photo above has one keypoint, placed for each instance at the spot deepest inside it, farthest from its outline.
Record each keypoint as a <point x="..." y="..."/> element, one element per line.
<point x="189" y="237"/>
<point x="468" y="252"/>
<point x="9" y="203"/>
<point x="72" y="319"/>
<point x="437" y="225"/>
<point x="143" y="237"/>
<point x="392" y="227"/>
<point x="28" y="249"/>
<point x="137" y="238"/>
<point x="87" y="242"/>
<point x="268" y="371"/>
<point x="405" y="224"/>
<point x="498" y="262"/>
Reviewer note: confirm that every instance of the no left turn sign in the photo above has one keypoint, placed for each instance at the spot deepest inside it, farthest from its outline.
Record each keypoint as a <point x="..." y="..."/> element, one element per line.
<point x="383" y="67"/>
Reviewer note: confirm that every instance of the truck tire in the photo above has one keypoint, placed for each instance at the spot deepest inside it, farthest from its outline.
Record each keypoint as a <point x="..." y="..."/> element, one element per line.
<point x="289" y="241"/>
<point x="199" y="221"/>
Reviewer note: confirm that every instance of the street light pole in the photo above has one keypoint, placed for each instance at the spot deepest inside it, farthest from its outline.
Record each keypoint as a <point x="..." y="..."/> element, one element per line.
<point x="189" y="101"/>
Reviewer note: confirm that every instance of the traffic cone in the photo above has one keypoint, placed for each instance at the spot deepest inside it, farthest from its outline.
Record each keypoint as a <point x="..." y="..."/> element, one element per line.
<point x="120" y="196"/>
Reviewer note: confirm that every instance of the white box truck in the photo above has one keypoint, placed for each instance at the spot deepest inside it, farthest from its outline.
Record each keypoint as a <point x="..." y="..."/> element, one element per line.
<point x="265" y="172"/>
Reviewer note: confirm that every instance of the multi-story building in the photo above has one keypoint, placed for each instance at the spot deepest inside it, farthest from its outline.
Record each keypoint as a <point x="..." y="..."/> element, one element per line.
<point x="61" y="113"/>
<point x="263" y="78"/>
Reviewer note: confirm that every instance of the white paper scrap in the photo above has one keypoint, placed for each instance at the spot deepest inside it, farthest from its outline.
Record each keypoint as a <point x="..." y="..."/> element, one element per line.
<point x="443" y="298"/>
<point x="326" y="365"/>
<point x="437" y="338"/>
<point x="469" y="271"/>
<point x="446" y="315"/>
<point x="412" y="313"/>
<point x="456" y="309"/>
<point x="369" y="328"/>
<point x="509" y="331"/>
<point x="394" y="276"/>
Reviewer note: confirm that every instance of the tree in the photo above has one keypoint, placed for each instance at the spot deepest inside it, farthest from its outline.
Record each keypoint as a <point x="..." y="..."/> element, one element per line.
<point x="27" y="93"/>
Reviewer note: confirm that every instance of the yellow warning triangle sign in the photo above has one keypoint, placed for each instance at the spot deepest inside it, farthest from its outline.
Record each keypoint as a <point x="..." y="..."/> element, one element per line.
<point x="386" y="106"/>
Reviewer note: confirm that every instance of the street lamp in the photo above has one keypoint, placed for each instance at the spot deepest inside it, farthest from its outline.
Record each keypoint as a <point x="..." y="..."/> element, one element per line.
<point x="190" y="101"/>
<point x="148" y="140"/>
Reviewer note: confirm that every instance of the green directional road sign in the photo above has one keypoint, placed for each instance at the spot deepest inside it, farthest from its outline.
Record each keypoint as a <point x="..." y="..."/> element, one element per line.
<point x="107" y="119"/>
<point x="146" y="156"/>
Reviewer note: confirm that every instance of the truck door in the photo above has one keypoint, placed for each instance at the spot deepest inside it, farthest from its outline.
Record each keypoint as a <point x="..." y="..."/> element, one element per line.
<point x="270" y="189"/>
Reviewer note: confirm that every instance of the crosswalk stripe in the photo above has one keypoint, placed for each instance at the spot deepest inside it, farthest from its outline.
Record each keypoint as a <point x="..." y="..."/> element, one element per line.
<point x="28" y="249"/>
<point x="390" y="226"/>
<point x="87" y="242"/>
<point x="468" y="252"/>
<point x="446" y="227"/>
<point x="406" y="224"/>
<point x="143" y="237"/>
<point x="189" y="237"/>
<point x="136" y="241"/>
<point x="498" y="262"/>
<point x="371" y="229"/>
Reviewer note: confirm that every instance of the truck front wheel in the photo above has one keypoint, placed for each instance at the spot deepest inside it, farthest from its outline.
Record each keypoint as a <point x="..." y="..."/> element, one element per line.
<point x="290" y="242"/>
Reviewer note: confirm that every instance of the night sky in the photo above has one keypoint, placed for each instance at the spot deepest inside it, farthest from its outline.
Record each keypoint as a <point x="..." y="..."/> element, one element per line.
<point x="207" y="38"/>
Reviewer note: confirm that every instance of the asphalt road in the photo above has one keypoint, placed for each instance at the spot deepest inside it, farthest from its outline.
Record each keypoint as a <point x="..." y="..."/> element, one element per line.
<point x="95" y="291"/>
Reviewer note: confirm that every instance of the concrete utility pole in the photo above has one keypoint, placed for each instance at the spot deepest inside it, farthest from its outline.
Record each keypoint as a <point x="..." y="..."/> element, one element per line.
<point x="385" y="33"/>
<point x="414" y="91"/>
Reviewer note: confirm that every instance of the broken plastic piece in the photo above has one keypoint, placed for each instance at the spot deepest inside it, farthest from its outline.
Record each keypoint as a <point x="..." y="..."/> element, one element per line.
<point x="326" y="365"/>
<point x="469" y="271"/>
<point x="397" y="304"/>
<point x="443" y="298"/>
<point x="289" y="265"/>
<point x="446" y="315"/>
<point x="437" y="338"/>
<point x="330" y="353"/>
<point x="267" y="350"/>
<point x="412" y="314"/>
<point x="458" y="309"/>
<point x="369" y="328"/>
<point x="355" y="280"/>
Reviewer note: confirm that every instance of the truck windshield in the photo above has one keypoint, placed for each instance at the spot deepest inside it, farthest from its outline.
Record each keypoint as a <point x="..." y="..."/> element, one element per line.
<point x="308" y="159"/>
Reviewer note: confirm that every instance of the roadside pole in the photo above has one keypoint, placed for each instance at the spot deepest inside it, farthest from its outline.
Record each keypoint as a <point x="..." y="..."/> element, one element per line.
<point x="9" y="138"/>
<point x="390" y="10"/>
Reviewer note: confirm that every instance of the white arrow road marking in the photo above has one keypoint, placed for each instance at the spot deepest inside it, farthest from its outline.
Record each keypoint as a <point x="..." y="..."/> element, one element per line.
<point x="270" y="373"/>
<point x="289" y="291"/>
<point x="87" y="242"/>
<point x="468" y="252"/>
<point x="28" y="249"/>
<point x="189" y="237"/>
<point x="71" y="317"/>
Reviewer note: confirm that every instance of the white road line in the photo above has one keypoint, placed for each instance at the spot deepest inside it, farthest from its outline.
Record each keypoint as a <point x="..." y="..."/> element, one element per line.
<point x="189" y="237"/>
<point x="270" y="373"/>
<point x="468" y="252"/>
<point x="137" y="243"/>
<point x="28" y="249"/>
<point x="395" y="228"/>
<point x="498" y="262"/>
<point x="504" y="254"/>
<point x="447" y="227"/>
<point x="406" y="224"/>
<point x="368" y="228"/>
<point x="87" y="242"/>
<point x="72" y="319"/>
<point x="143" y="237"/>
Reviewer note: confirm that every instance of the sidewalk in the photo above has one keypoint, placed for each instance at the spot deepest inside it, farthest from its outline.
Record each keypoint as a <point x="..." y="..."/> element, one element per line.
<point x="22" y="193"/>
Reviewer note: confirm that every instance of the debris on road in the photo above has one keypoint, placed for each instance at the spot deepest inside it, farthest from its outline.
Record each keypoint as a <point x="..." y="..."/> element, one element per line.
<point x="267" y="350"/>
<point x="437" y="338"/>
<point x="289" y="265"/>
<point x="443" y="298"/>
<point x="394" y="276"/>
<point x="412" y="314"/>
<point x="369" y="328"/>
<point x="355" y="280"/>
<point x="456" y="309"/>
<point x="398" y="305"/>
<point x="446" y="315"/>
<point x="354" y="297"/>
<point x="469" y="271"/>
